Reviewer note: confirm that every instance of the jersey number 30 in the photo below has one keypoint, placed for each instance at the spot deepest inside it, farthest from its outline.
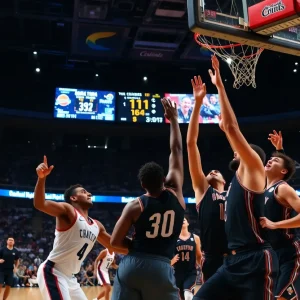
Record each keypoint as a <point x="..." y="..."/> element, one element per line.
<point x="159" y="224"/>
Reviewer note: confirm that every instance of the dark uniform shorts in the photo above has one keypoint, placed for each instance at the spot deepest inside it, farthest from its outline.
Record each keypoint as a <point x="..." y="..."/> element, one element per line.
<point x="7" y="276"/>
<point x="248" y="274"/>
<point x="145" y="277"/>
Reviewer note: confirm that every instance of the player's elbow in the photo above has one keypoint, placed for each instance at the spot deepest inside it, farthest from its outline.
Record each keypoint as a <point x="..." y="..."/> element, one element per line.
<point x="191" y="143"/>
<point x="114" y="242"/>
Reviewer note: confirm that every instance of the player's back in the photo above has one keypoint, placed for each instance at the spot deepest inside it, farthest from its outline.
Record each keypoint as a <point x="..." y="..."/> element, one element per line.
<point x="243" y="211"/>
<point x="186" y="249"/>
<point x="211" y="214"/>
<point x="159" y="225"/>
<point x="72" y="245"/>
<point x="276" y="212"/>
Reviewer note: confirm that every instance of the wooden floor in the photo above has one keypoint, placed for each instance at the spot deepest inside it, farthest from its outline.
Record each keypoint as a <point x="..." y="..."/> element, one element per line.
<point x="34" y="293"/>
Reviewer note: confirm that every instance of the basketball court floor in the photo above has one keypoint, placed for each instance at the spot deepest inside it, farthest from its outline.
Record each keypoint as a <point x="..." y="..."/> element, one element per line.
<point x="34" y="293"/>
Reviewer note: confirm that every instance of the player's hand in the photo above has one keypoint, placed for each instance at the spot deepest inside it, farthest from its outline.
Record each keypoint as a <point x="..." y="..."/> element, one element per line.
<point x="199" y="89"/>
<point x="266" y="223"/>
<point x="170" y="108"/>
<point x="221" y="123"/>
<point x="215" y="76"/>
<point x="2" y="261"/>
<point x="175" y="259"/>
<point x="15" y="270"/>
<point x="276" y="139"/>
<point x="43" y="170"/>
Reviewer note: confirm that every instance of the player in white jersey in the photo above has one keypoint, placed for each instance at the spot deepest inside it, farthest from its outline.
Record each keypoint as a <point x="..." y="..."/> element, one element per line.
<point x="104" y="261"/>
<point x="75" y="236"/>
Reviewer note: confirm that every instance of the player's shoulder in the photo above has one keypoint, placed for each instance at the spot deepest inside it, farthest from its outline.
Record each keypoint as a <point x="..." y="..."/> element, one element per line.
<point x="284" y="188"/>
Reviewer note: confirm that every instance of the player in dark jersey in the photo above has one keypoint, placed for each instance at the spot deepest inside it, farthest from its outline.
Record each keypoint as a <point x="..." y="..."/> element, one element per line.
<point x="251" y="267"/>
<point x="157" y="216"/>
<point x="187" y="255"/>
<point x="280" y="201"/>
<point x="209" y="193"/>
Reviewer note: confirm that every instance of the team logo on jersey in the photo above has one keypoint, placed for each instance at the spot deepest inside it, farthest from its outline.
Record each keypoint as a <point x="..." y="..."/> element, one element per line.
<point x="290" y="290"/>
<point x="14" y="253"/>
<point x="192" y="239"/>
<point x="81" y="218"/>
<point x="271" y="189"/>
<point x="266" y="199"/>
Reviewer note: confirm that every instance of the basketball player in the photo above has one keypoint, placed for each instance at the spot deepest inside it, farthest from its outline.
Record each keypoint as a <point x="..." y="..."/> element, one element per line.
<point x="157" y="216"/>
<point x="280" y="201"/>
<point x="75" y="236"/>
<point x="104" y="261"/>
<point x="9" y="262"/>
<point x="251" y="267"/>
<point x="188" y="254"/>
<point x="209" y="193"/>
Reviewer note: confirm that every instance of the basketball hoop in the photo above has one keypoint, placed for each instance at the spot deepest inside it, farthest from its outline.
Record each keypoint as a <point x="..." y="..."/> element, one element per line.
<point x="242" y="59"/>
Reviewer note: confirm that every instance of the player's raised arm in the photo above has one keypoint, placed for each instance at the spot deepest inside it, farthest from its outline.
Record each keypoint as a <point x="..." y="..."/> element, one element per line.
<point x="199" y="180"/>
<point x="175" y="175"/>
<point x="250" y="161"/>
<point x="49" y="207"/>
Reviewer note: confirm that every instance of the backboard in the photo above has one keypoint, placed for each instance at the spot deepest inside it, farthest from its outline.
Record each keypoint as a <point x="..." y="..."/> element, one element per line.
<point x="267" y="24"/>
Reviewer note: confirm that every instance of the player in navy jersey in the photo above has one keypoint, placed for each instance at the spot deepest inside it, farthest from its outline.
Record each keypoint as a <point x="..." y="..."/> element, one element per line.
<point x="157" y="216"/>
<point x="209" y="193"/>
<point x="251" y="267"/>
<point x="187" y="255"/>
<point x="280" y="202"/>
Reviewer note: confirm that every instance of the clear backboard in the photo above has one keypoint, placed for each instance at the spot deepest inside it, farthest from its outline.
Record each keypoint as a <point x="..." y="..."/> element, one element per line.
<point x="267" y="24"/>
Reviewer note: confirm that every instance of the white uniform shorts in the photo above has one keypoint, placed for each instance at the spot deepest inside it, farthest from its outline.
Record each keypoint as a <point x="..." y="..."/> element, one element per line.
<point x="54" y="285"/>
<point x="103" y="277"/>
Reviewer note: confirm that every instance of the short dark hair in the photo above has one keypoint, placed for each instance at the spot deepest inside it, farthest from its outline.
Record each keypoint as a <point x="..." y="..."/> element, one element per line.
<point x="69" y="192"/>
<point x="288" y="163"/>
<point x="187" y="217"/>
<point x="151" y="176"/>
<point x="261" y="153"/>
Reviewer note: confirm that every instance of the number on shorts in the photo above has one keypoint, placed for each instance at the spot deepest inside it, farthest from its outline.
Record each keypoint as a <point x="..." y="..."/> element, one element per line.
<point x="168" y="216"/>
<point x="81" y="252"/>
<point x="185" y="256"/>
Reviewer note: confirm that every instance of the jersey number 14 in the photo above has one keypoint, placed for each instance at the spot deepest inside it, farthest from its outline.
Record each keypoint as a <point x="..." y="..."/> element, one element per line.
<point x="159" y="224"/>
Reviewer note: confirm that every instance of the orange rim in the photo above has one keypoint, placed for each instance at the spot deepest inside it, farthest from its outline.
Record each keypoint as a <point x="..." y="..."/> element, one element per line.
<point x="207" y="46"/>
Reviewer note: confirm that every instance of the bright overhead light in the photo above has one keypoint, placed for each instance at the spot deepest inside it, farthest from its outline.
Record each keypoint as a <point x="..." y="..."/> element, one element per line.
<point x="34" y="52"/>
<point x="145" y="78"/>
<point x="38" y="70"/>
<point x="296" y="63"/>
<point x="96" y="75"/>
<point x="295" y="70"/>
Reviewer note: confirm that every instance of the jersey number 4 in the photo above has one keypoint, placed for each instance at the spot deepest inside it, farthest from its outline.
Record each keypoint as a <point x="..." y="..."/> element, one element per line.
<point x="159" y="224"/>
<point x="81" y="252"/>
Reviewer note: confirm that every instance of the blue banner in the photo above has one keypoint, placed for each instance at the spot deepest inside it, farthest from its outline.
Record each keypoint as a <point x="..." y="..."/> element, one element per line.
<point x="95" y="198"/>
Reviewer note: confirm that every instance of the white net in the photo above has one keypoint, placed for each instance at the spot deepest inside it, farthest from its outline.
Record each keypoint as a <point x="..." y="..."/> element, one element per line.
<point x="241" y="59"/>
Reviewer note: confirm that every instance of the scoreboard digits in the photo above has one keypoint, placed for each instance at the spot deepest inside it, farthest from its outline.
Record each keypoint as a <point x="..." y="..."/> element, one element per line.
<point x="140" y="108"/>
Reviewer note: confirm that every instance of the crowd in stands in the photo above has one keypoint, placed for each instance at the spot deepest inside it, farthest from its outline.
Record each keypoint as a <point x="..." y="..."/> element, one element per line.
<point x="113" y="169"/>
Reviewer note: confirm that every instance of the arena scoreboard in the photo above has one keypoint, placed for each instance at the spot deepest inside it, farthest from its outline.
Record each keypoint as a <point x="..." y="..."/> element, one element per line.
<point x="84" y="104"/>
<point x="140" y="107"/>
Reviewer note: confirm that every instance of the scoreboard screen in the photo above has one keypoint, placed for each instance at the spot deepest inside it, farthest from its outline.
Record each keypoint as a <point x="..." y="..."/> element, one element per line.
<point x="140" y="107"/>
<point x="84" y="104"/>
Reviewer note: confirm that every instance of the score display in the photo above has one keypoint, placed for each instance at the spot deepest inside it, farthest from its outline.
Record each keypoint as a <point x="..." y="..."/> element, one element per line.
<point x="140" y="107"/>
<point x="84" y="104"/>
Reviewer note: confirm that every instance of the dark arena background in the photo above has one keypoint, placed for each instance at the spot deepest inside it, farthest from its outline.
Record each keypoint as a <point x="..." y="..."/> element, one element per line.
<point x="58" y="58"/>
